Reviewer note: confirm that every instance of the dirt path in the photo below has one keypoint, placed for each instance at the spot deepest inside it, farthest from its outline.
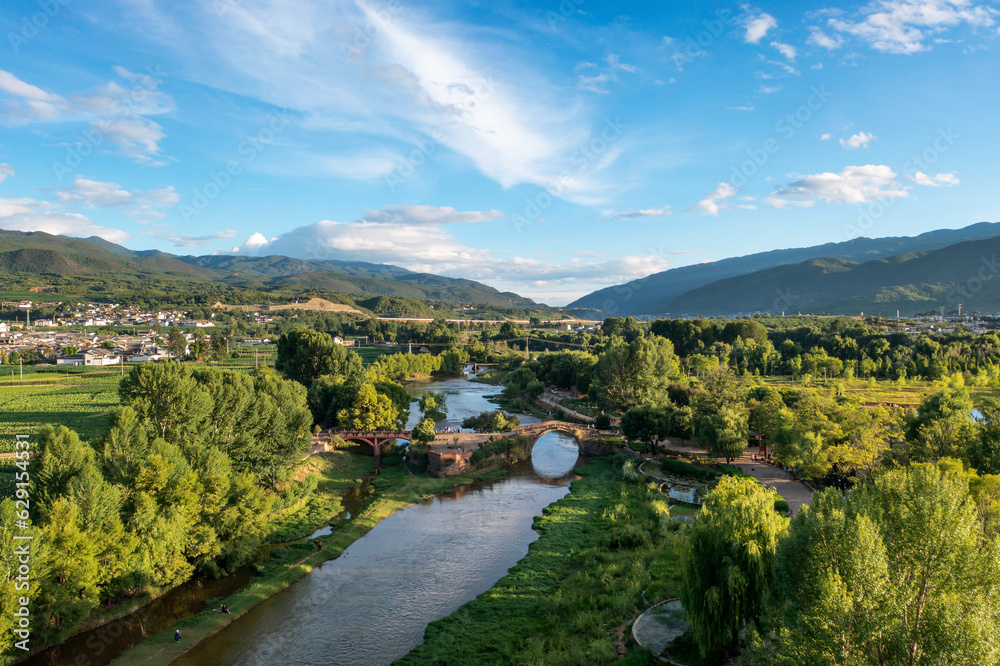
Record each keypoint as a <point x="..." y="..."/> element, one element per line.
<point x="795" y="492"/>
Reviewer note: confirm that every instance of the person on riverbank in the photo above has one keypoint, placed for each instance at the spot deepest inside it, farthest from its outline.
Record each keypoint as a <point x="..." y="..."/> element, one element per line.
<point x="319" y="545"/>
<point x="177" y="636"/>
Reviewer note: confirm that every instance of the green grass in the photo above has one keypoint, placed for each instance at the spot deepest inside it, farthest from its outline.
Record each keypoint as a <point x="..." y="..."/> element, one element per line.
<point x="80" y="403"/>
<point x="577" y="589"/>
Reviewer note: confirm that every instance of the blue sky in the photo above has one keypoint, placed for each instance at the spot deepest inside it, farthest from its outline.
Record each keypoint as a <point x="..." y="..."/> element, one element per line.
<point x="547" y="148"/>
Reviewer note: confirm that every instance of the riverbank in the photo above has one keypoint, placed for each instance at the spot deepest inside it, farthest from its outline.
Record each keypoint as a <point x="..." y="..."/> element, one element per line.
<point x="394" y="489"/>
<point x="602" y="548"/>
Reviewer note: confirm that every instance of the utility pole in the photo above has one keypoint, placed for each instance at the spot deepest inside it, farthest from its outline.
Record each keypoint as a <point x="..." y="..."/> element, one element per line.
<point x="960" y="310"/>
<point x="526" y="357"/>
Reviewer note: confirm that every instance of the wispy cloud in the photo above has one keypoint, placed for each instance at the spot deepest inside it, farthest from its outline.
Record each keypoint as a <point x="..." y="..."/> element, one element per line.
<point x="906" y="26"/>
<point x="32" y="215"/>
<point x="97" y="194"/>
<point x="116" y="111"/>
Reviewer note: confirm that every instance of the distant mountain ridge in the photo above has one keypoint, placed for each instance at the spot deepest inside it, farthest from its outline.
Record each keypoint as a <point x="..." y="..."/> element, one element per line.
<point x="965" y="273"/>
<point x="657" y="293"/>
<point x="41" y="254"/>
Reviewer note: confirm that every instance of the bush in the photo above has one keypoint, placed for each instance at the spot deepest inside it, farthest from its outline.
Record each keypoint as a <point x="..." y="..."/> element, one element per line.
<point x="603" y="422"/>
<point x="781" y="506"/>
<point x="687" y="469"/>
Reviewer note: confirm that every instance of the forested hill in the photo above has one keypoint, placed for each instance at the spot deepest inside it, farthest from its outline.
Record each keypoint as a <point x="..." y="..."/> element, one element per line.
<point x="966" y="273"/>
<point x="654" y="294"/>
<point x="29" y="259"/>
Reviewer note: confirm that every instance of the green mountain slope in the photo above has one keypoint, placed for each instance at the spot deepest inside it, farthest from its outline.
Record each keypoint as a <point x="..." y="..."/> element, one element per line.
<point x="41" y="258"/>
<point x="654" y="294"/>
<point x="966" y="273"/>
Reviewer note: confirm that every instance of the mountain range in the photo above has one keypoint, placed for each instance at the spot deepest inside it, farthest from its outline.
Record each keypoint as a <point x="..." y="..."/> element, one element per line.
<point x="95" y="260"/>
<point x="878" y="276"/>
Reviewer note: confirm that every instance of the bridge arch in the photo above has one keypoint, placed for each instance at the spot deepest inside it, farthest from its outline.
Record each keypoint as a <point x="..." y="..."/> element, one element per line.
<point x="373" y="438"/>
<point x="535" y="431"/>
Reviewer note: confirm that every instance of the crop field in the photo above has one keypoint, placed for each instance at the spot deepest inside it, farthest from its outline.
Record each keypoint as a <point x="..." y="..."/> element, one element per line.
<point x="80" y="403"/>
<point x="909" y="394"/>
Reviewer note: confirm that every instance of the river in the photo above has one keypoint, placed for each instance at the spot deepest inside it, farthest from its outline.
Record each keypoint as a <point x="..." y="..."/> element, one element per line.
<point x="371" y="605"/>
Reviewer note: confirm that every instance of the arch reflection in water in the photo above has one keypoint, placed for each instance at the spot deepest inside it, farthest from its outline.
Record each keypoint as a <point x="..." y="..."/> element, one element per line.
<point x="371" y="605"/>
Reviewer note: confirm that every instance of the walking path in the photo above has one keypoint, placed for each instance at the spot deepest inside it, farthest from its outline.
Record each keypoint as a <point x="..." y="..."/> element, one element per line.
<point x="795" y="492"/>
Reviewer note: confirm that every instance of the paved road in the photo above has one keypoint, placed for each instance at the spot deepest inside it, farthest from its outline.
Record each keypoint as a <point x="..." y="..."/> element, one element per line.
<point x="796" y="493"/>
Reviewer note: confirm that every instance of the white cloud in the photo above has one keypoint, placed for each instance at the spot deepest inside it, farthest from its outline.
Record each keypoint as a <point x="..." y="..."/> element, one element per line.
<point x="853" y="185"/>
<point x="786" y="50"/>
<point x="113" y="112"/>
<point x="768" y="90"/>
<point x="645" y="212"/>
<point x="859" y="140"/>
<point x="98" y="194"/>
<point x="189" y="240"/>
<point x="428" y="246"/>
<point x="714" y="201"/>
<point x="904" y="26"/>
<point x="6" y="171"/>
<point x="429" y="215"/>
<point x="819" y="38"/>
<point x="32" y="215"/>
<point x="921" y="178"/>
<point x="824" y="137"/>
<point x="758" y="26"/>
<point x="418" y="78"/>
<point x="749" y="107"/>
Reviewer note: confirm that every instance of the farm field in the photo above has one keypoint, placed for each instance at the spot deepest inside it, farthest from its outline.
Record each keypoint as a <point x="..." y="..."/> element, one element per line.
<point x="79" y="402"/>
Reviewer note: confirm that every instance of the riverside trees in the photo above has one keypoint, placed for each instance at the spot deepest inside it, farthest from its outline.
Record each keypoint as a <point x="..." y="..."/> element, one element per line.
<point x="901" y="571"/>
<point x="163" y="493"/>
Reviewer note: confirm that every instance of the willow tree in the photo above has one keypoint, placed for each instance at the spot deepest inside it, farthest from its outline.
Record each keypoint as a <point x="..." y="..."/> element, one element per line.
<point x="898" y="572"/>
<point x="729" y="563"/>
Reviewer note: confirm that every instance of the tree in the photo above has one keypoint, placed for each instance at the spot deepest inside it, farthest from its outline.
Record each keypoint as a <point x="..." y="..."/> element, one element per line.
<point x="603" y="422"/>
<point x="897" y="572"/>
<point x="728" y="565"/>
<point x="682" y="423"/>
<point x="494" y="421"/>
<point x="647" y="423"/>
<point x="305" y="355"/>
<point x="59" y="457"/>
<point x="169" y="400"/>
<point x="177" y="343"/>
<point x="432" y="405"/>
<point x="424" y="432"/>
<point x="369" y="411"/>
<point x="66" y="576"/>
<point x="943" y="426"/>
<point x="985" y="453"/>
<point x="630" y="374"/>
<point x="724" y="434"/>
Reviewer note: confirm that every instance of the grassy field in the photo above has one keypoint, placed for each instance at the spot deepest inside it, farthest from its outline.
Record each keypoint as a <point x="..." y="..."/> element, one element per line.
<point x="79" y="402"/>
<point x="578" y="589"/>
<point x="910" y="393"/>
